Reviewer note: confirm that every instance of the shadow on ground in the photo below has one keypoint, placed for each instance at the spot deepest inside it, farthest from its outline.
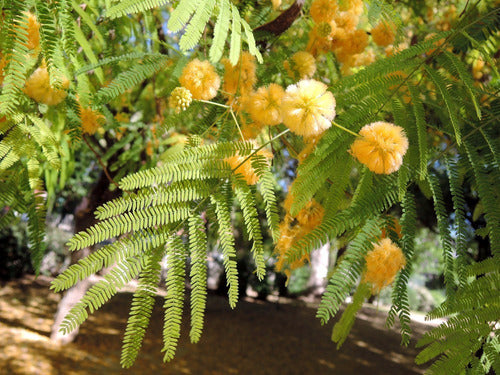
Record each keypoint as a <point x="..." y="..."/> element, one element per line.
<point x="255" y="338"/>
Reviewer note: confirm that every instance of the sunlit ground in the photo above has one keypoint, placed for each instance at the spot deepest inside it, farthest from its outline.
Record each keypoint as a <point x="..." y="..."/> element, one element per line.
<point x="255" y="338"/>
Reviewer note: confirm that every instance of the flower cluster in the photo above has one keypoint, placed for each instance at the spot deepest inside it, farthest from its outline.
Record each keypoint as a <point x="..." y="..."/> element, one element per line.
<point x="381" y="147"/>
<point x="38" y="87"/>
<point x="201" y="79"/>
<point x="33" y="29"/>
<point x="292" y="229"/>
<point x="382" y="264"/>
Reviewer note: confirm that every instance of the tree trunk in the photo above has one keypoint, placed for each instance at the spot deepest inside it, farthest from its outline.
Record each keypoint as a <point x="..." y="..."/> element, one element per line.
<point x="319" y="270"/>
<point x="84" y="218"/>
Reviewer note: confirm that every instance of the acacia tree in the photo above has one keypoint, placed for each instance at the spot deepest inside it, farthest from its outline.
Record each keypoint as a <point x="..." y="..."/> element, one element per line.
<point x="375" y="103"/>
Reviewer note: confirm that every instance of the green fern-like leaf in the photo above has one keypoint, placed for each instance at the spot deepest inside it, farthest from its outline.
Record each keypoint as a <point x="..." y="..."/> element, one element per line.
<point x="174" y="300"/>
<point x="198" y="251"/>
<point x="142" y="306"/>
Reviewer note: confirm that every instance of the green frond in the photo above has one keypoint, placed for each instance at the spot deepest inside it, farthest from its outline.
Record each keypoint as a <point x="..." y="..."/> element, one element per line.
<point x="87" y="49"/>
<point x="248" y="206"/>
<point x="484" y="175"/>
<point x="444" y="233"/>
<point x="421" y="129"/>
<point x="131" y="78"/>
<point x="176" y="192"/>
<point x="450" y="105"/>
<point x="102" y="292"/>
<point x="143" y="302"/>
<point x="128" y="247"/>
<point x="373" y="201"/>
<point x="127" y="222"/>
<point x="342" y="328"/>
<point x="220" y="31"/>
<point x="267" y="187"/>
<point x="348" y="271"/>
<point x="400" y="302"/>
<point x="235" y="47"/>
<point x="193" y="30"/>
<point x="125" y="7"/>
<point x="174" y="300"/>
<point x="226" y="238"/>
<point x="198" y="253"/>
<point x="17" y="68"/>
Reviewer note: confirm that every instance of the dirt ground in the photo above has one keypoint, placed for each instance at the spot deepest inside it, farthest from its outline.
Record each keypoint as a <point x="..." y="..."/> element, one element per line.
<point x="255" y="338"/>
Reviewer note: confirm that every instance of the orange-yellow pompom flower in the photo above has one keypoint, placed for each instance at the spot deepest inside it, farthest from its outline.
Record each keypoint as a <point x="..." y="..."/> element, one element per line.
<point x="246" y="169"/>
<point x="323" y="10"/>
<point x="39" y="89"/>
<point x="201" y="79"/>
<point x="307" y="108"/>
<point x="91" y="120"/>
<point x="384" y="33"/>
<point x="303" y="65"/>
<point x="381" y="147"/>
<point x="382" y="264"/>
<point x="33" y="28"/>
<point x="264" y="105"/>
<point x="240" y="77"/>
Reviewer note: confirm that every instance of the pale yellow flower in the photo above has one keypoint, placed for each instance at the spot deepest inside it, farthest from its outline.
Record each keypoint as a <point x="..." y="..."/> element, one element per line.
<point x="264" y="105"/>
<point x="384" y="33"/>
<point x="39" y="89"/>
<point x="308" y="108"/>
<point x="180" y="99"/>
<point x="381" y="147"/>
<point x="201" y="79"/>
<point x="382" y="264"/>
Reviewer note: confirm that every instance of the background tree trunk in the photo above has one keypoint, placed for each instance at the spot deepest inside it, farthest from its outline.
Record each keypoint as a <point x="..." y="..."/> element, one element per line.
<point x="84" y="218"/>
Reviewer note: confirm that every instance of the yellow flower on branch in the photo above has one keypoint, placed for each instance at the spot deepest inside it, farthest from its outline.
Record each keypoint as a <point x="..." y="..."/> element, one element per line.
<point x="307" y="108"/>
<point x="323" y="10"/>
<point x="180" y="99"/>
<point x="384" y="33"/>
<point x="201" y="79"/>
<point x="382" y="264"/>
<point x="39" y="89"/>
<point x="381" y="147"/>
<point x="264" y="105"/>
<point x="241" y="77"/>
<point x="302" y="66"/>
<point x="91" y="120"/>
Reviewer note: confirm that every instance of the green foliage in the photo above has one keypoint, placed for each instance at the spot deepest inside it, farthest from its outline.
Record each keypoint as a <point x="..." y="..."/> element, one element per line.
<point x="473" y="325"/>
<point x="178" y="191"/>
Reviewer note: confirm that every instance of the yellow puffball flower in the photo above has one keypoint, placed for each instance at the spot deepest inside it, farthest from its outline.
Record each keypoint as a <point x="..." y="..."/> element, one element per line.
<point x="201" y="79"/>
<point x="264" y="105"/>
<point x="381" y="147"/>
<point x="311" y="215"/>
<point x="355" y="42"/>
<point x="241" y="76"/>
<point x="382" y="264"/>
<point x="323" y="10"/>
<point x="245" y="169"/>
<point x="180" y="99"/>
<point x="39" y="89"/>
<point x="303" y="65"/>
<point x="346" y="22"/>
<point x="307" y="108"/>
<point x="91" y="120"/>
<point x="384" y="33"/>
